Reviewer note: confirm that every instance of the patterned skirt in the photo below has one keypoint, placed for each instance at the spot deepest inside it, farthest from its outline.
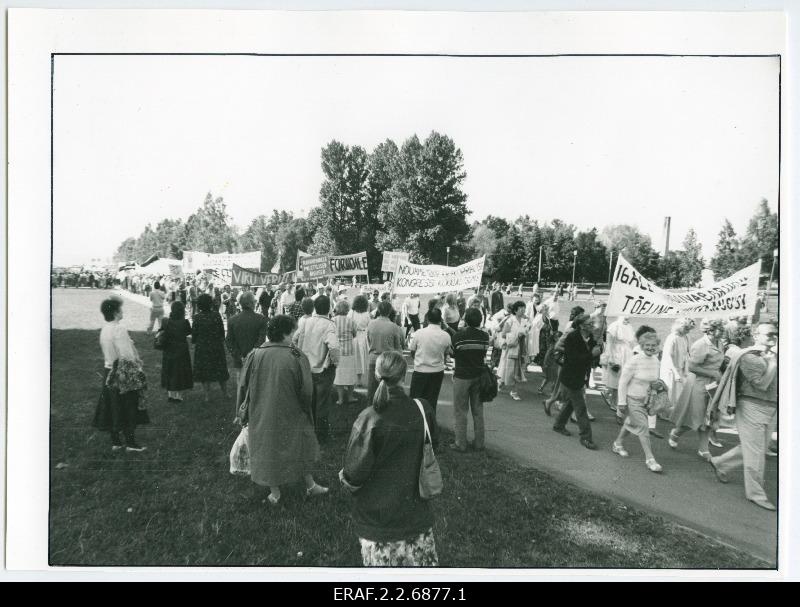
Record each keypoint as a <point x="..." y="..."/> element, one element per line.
<point x="419" y="552"/>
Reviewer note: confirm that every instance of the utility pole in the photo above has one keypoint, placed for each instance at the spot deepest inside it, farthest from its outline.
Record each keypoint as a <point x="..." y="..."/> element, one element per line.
<point x="539" y="279"/>
<point x="448" y="256"/>
<point x="574" y="263"/>
<point x="610" y="265"/>
<point x="772" y="271"/>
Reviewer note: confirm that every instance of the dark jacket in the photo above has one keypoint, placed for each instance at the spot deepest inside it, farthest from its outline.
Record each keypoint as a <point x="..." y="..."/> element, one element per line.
<point x="382" y="462"/>
<point x="246" y="330"/>
<point x="497" y="301"/>
<point x="577" y="359"/>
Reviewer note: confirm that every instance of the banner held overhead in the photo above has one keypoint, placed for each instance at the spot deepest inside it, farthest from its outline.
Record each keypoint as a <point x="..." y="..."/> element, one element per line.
<point x="414" y="278"/>
<point x="634" y="295"/>
<point x="241" y="277"/>
<point x="348" y="265"/>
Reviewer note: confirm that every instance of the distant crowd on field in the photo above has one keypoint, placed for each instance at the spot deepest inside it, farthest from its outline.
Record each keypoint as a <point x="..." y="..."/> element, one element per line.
<point x="299" y="352"/>
<point x="90" y="280"/>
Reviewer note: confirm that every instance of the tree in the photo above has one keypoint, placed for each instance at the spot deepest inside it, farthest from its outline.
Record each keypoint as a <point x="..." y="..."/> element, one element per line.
<point x="592" y="260"/>
<point x="126" y="251"/>
<point x="261" y="234"/>
<point x="426" y="209"/>
<point x="208" y="229"/>
<point x="690" y="261"/>
<point x="669" y="274"/>
<point x="293" y="235"/>
<point x="762" y="238"/>
<point x="728" y="255"/>
<point x="635" y="246"/>
<point x="483" y="241"/>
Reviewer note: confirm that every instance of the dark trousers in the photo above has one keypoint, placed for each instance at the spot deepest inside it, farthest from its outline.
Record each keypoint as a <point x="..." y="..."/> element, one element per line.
<point x="321" y="399"/>
<point x="427" y="386"/>
<point x="574" y="401"/>
<point x="414" y="320"/>
<point x="497" y="353"/>
<point x="372" y="381"/>
<point x="117" y="413"/>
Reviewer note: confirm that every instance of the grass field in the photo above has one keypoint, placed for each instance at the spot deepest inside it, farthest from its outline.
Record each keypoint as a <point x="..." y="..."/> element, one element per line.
<point x="176" y="504"/>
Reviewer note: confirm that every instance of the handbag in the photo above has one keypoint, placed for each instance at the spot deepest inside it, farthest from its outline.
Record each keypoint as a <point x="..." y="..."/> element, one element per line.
<point x="240" y="454"/>
<point x="487" y="388"/>
<point x="430" y="476"/>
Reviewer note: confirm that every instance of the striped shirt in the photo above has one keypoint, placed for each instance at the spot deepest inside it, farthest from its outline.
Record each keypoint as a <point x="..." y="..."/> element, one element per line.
<point x="469" y="346"/>
<point x="344" y="333"/>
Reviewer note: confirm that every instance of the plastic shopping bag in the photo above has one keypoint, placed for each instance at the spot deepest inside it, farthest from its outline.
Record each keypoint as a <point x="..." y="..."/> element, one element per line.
<point x="240" y="455"/>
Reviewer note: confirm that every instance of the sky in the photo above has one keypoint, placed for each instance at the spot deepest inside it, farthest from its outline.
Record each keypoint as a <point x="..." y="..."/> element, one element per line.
<point x="590" y="140"/>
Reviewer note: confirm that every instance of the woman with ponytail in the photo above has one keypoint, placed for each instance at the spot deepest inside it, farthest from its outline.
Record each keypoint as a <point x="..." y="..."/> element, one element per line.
<point x="381" y="470"/>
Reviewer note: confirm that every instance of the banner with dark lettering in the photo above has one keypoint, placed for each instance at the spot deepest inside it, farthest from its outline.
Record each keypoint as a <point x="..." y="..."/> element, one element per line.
<point x="413" y="278"/>
<point x="633" y="295"/>
<point x="312" y="266"/>
<point x="241" y="277"/>
<point x="348" y="265"/>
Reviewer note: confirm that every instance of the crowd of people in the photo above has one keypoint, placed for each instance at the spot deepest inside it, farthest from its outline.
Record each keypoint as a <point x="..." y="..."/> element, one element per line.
<point x="300" y="351"/>
<point x="81" y="279"/>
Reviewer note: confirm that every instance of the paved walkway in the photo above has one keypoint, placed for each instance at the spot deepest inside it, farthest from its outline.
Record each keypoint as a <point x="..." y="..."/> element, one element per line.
<point x="686" y="492"/>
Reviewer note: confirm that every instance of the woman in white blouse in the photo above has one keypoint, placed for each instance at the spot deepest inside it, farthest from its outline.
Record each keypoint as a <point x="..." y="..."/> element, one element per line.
<point x="117" y="412"/>
<point x="620" y="342"/>
<point x="638" y="373"/>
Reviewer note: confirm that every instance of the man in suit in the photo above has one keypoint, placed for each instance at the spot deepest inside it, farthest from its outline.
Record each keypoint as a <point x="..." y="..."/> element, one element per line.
<point x="246" y="330"/>
<point x="497" y="301"/>
<point x="579" y="350"/>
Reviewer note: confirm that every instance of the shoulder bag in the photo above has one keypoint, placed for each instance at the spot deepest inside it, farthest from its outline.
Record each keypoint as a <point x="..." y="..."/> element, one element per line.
<point x="430" y="476"/>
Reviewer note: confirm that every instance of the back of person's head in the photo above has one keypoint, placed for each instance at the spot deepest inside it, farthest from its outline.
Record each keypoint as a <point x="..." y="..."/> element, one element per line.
<point x="110" y="307"/>
<point x="575" y="312"/>
<point x="248" y="301"/>
<point x="385" y="309"/>
<point x="451" y="299"/>
<point x="308" y="306"/>
<point x="390" y="370"/>
<point x="435" y="316"/>
<point x="432" y="303"/>
<point x="342" y="308"/>
<point x="157" y="285"/>
<point x="360" y="304"/>
<point x="204" y="302"/>
<point x="177" y="311"/>
<point x="279" y="327"/>
<point x="299" y="294"/>
<point x="473" y="317"/>
<point x="322" y="305"/>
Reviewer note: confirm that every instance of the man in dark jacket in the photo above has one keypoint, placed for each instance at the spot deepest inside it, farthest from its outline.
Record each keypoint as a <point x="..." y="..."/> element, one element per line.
<point x="246" y="330"/>
<point x="579" y="350"/>
<point x="497" y="299"/>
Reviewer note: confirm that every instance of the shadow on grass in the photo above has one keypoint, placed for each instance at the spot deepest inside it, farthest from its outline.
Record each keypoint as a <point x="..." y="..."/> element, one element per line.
<point x="177" y="505"/>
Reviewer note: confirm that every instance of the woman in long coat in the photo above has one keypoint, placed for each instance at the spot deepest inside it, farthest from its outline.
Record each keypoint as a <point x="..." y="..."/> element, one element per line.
<point x="276" y="384"/>
<point x="208" y="337"/>
<point x="675" y="359"/>
<point x="176" y="363"/>
<point x="620" y="342"/>
<point x="361" y="317"/>
<point x="705" y="362"/>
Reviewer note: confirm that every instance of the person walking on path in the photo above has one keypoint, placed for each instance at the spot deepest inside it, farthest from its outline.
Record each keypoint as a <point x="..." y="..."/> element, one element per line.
<point x="638" y="374"/>
<point x="274" y="396"/>
<point x="497" y="301"/>
<point x="361" y="319"/>
<point x="620" y="342"/>
<point x="469" y="347"/>
<point x="208" y="337"/>
<point x="345" y="379"/>
<point x="749" y="388"/>
<point x="176" y="363"/>
<point x="318" y="341"/>
<point x="430" y="347"/>
<point x="411" y="312"/>
<point x="382" y="336"/>
<point x="579" y="349"/>
<point x="705" y="361"/>
<point x="381" y="472"/>
<point x="675" y="359"/>
<point x="451" y="314"/>
<point x="246" y="330"/>
<point x="156" y="308"/>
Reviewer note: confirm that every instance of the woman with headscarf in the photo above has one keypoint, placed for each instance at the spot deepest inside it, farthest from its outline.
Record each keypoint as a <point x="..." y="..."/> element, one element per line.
<point x="512" y="332"/>
<point x="705" y="362"/>
<point x="620" y="342"/>
<point x="176" y="363"/>
<point x="381" y="471"/>
<point x="274" y="400"/>
<point x="208" y="337"/>
<point x="675" y="358"/>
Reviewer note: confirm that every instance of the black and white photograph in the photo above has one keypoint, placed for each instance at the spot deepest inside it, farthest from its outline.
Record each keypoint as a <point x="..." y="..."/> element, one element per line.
<point x="457" y="303"/>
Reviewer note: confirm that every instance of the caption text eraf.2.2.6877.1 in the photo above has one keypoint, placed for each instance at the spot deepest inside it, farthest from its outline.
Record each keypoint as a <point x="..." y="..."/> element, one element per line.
<point x="398" y="593"/>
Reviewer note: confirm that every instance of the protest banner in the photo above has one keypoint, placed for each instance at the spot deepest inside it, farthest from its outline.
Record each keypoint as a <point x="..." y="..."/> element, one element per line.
<point x="198" y="260"/>
<point x="313" y="266"/>
<point x="391" y="259"/>
<point x="414" y="278"/>
<point x="241" y="277"/>
<point x="348" y="265"/>
<point x="634" y="295"/>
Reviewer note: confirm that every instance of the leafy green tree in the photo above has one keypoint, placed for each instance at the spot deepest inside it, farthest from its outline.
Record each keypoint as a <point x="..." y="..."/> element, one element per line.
<point x="209" y="229"/>
<point x="635" y="246"/>
<point x="293" y="235"/>
<point x="483" y="241"/>
<point x="592" y="260"/>
<point x="426" y="208"/>
<point x="728" y="255"/>
<point x="761" y="239"/>
<point x="691" y="261"/>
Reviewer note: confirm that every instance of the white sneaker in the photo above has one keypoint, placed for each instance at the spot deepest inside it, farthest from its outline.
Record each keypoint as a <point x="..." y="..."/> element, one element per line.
<point x="619" y="450"/>
<point x="672" y="440"/>
<point x="653" y="465"/>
